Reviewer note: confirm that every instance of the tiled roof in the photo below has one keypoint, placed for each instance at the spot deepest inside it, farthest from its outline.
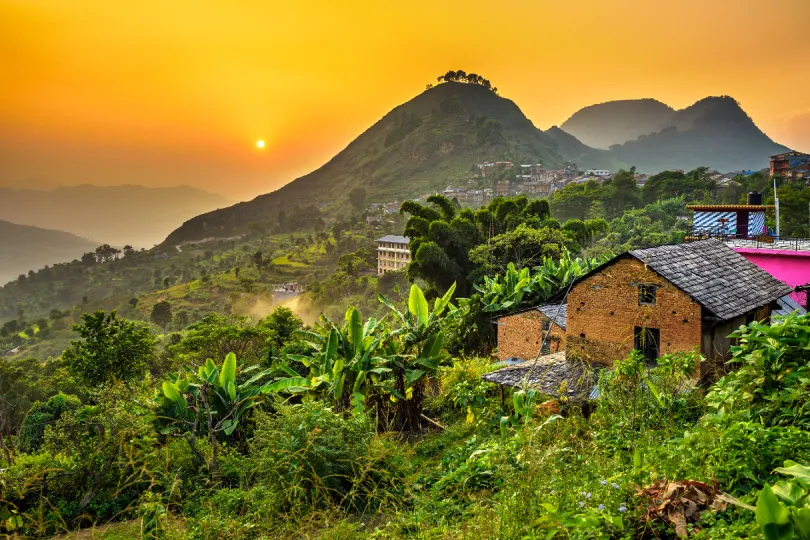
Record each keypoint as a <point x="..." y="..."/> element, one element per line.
<point x="549" y="310"/>
<point x="714" y="275"/>
<point x="549" y="375"/>
<point x="786" y="306"/>
<point x="394" y="239"/>
<point x="556" y="312"/>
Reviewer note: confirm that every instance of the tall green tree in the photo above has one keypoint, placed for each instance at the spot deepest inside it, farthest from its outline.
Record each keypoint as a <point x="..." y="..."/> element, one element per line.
<point x="109" y="349"/>
<point x="162" y="314"/>
<point x="442" y="236"/>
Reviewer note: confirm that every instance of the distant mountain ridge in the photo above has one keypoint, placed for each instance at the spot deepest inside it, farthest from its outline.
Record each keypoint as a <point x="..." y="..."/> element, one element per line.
<point x="714" y="132"/>
<point x="24" y="248"/>
<point x="118" y="215"/>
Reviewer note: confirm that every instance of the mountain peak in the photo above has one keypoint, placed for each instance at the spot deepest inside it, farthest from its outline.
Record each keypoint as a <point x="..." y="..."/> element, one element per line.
<point x="419" y="147"/>
<point x="615" y="122"/>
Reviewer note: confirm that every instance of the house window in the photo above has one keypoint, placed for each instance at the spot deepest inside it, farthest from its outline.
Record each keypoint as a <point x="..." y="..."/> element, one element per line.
<point x="646" y="295"/>
<point x="647" y="340"/>
<point x="546" y="325"/>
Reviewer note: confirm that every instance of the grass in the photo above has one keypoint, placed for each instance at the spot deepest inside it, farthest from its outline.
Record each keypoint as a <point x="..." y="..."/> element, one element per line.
<point x="285" y="261"/>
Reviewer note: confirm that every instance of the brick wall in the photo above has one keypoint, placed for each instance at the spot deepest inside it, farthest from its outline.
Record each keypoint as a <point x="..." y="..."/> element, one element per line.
<point x="604" y="309"/>
<point x="520" y="335"/>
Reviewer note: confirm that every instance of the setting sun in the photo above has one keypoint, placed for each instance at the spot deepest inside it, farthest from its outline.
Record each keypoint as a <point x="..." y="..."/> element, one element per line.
<point x="260" y="144"/>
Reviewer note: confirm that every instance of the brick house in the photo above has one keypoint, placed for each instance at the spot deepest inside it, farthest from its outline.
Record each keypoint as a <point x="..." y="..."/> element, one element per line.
<point x="668" y="299"/>
<point x="521" y="333"/>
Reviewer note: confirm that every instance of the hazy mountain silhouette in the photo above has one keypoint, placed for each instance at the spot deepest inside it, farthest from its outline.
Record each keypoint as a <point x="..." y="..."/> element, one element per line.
<point x="582" y="154"/>
<point x="431" y="141"/>
<point x="714" y="132"/>
<point x="615" y="122"/>
<point x="24" y="248"/>
<point x="117" y="215"/>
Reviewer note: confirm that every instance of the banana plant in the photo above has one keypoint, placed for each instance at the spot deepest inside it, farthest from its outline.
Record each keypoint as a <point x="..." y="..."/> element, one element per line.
<point x="416" y="350"/>
<point x="503" y="292"/>
<point x="345" y="366"/>
<point x="508" y="291"/>
<point x="210" y="401"/>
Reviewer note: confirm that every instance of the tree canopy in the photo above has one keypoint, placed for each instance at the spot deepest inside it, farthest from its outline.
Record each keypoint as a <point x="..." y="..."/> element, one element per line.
<point x="109" y="349"/>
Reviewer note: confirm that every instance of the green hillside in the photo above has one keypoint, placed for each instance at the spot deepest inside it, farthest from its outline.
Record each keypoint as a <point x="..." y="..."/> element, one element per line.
<point x="421" y="146"/>
<point x="24" y="248"/>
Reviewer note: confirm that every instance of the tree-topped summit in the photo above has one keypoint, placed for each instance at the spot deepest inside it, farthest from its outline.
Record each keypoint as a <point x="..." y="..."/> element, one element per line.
<point x="463" y="77"/>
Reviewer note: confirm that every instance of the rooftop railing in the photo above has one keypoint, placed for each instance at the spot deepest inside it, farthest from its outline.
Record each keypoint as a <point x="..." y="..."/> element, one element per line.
<point x="800" y="242"/>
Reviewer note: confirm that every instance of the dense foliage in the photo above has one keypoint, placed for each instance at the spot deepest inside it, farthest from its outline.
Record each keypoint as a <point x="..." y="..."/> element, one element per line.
<point x="239" y="447"/>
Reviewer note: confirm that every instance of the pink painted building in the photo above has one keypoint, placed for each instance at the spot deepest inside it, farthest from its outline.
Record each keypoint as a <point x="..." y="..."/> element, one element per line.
<point x="789" y="265"/>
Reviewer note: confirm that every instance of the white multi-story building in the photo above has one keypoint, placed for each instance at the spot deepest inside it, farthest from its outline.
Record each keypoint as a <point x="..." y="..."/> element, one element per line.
<point x="392" y="253"/>
<point x="602" y="173"/>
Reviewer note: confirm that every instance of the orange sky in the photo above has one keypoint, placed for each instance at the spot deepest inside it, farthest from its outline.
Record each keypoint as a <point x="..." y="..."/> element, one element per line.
<point x="168" y="93"/>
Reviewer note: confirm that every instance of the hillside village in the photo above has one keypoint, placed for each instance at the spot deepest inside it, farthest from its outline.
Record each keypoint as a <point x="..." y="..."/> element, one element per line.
<point x="506" y="179"/>
<point x="553" y="347"/>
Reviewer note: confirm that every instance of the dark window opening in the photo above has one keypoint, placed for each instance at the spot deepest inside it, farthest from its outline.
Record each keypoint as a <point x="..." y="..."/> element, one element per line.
<point x="646" y="295"/>
<point x="647" y="341"/>
<point x="546" y="325"/>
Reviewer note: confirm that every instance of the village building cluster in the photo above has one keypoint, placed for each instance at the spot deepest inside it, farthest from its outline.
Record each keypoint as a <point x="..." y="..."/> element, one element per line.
<point x="792" y="166"/>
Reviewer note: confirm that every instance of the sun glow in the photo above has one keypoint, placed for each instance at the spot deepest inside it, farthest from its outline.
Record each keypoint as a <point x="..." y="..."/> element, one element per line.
<point x="259" y="144"/>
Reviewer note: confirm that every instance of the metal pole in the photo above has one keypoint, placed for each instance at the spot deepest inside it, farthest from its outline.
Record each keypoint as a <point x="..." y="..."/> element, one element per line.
<point x="776" y="202"/>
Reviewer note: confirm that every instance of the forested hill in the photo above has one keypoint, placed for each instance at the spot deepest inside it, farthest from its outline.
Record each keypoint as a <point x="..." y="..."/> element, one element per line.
<point x="429" y="142"/>
<point x="24" y="248"/>
<point x="714" y="132"/>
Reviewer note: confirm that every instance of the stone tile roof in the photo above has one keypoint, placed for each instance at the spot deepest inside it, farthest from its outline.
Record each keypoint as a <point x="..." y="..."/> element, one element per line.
<point x="549" y="310"/>
<point x="556" y="312"/>
<point x="714" y="275"/>
<point x="787" y="305"/>
<point x="549" y="375"/>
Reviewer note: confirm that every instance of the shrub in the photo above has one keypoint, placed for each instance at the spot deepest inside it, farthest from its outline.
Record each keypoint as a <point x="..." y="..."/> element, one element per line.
<point x="317" y="458"/>
<point x="634" y="399"/>
<point x="110" y="348"/>
<point x="772" y="381"/>
<point x="42" y="415"/>
<point x="740" y="455"/>
<point x="23" y="484"/>
<point x="461" y="387"/>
